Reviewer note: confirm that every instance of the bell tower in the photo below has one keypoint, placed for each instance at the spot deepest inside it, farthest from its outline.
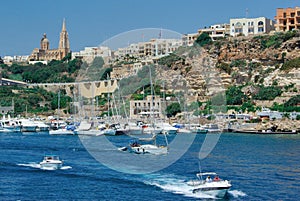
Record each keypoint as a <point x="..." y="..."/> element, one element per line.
<point x="64" y="44"/>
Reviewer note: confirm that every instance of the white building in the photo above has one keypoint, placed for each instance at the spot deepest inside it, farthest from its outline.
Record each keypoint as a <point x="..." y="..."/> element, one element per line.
<point x="216" y="31"/>
<point x="251" y="26"/>
<point x="188" y="39"/>
<point x="16" y="59"/>
<point x="150" y="49"/>
<point x="89" y="53"/>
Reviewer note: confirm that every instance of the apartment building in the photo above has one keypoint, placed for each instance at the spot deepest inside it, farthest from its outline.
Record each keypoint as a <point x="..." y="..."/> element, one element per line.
<point x="150" y="107"/>
<point x="251" y="26"/>
<point x="152" y="48"/>
<point x="287" y="19"/>
<point x="216" y="31"/>
<point x="89" y="53"/>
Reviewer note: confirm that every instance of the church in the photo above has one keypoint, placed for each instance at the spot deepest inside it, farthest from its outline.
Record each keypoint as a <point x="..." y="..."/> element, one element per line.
<point x="45" y="54"/>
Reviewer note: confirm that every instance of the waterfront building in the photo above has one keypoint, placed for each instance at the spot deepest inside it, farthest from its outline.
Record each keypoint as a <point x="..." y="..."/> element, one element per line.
<point x="216" y="31"/>
<point x="44" y="53"/>
<point x="287" y="19"/>
<point x="251" y="26"/>
<point x="90" y="53"/>
<point x="150" y="107"/>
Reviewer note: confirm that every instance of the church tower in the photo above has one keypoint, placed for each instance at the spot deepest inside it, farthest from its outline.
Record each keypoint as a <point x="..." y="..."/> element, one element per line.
<point x="64" y="45"/>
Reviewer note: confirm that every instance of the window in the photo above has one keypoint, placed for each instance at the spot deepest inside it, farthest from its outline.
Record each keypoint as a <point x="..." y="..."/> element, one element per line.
<point x="260" y="29"/>
<point x="260" y="23"/>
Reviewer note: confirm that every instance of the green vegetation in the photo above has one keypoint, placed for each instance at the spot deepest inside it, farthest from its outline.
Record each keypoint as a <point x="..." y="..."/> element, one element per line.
<point x="55" y="71"/>
<point x="203" y="39"/>
<point x="224" y="66"/>
<point x="170" y="60"/>
<point x="235" y="96"/>
<point x="34" y="100"/>
<point x="173" y="109"/>
<point x="276" y="40"/>
<point x="267" y="93"/>
<point x="294" y="63"/>
<point x="290" y="106"/>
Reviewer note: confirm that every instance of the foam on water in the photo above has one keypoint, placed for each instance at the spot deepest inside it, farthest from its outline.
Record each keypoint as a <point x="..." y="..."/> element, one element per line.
<point x="237" y="193"/>
<point x="175" y="185"/>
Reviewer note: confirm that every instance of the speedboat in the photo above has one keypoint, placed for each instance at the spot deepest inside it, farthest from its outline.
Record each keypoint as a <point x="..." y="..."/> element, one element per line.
<point x="51" y="162"/>
<point x="211" y="186"/>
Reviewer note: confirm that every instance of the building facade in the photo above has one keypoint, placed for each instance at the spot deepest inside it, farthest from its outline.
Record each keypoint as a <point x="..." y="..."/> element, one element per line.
<point x="90" y="53"/>
<point x="44" y="53"/>
<point x="150" y="107"/>
<point x="216" y="31"/>
<point x="150" y="49"/>
<point x="287" y="19"/>
<point x="251" y="26"/>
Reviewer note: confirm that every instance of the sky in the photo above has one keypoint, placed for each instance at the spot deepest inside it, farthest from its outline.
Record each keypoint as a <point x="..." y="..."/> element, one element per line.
<point x="91" y="22"/>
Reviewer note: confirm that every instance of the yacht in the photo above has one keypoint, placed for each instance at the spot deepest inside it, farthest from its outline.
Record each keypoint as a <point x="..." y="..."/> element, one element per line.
<point x="211" y="186"/>
<point x="51" y="162"/>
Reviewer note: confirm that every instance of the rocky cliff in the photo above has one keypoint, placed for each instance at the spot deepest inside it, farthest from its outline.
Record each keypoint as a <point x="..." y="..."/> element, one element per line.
<point x="210" y="69"/>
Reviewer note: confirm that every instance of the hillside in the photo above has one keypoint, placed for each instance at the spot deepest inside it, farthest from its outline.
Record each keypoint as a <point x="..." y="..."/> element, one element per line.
<point x="254" y="63"/>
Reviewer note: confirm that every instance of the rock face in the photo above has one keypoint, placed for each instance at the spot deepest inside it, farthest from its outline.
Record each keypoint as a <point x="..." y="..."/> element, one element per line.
<point x="248" y="59"/>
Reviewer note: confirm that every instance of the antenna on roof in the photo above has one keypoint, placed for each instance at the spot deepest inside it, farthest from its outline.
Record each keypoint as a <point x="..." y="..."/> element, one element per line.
<point x="247" y="12"/>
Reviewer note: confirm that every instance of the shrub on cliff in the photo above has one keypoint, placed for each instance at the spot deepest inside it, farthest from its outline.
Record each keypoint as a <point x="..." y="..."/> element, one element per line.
<point x="267" y="93"/>
<point x="294" y="63"/>
<point x="203" y="39"/>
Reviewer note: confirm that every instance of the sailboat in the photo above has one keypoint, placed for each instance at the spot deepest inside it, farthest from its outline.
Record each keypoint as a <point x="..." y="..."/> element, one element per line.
<point x="150" y="148"/>
<point x="62" y="129"/>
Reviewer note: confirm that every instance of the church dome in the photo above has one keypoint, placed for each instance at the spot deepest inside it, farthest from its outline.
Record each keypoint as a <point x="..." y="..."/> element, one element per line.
<point x="44" y="43"/>
<point x="44" y="39"/>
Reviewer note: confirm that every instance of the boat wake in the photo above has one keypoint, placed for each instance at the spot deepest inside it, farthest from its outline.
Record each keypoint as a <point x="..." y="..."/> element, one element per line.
<point x="38" y="166"/>
<point x="237" y="193"/>
<point x="177" y="185"/>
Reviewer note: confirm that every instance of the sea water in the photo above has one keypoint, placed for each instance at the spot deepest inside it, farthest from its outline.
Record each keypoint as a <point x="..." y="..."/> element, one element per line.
<point x="260" y="167"/>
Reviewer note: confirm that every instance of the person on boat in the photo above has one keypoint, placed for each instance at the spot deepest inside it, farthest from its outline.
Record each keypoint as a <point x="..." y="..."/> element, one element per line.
<point x="208" y="179"/>
<point x="216" y="178"/>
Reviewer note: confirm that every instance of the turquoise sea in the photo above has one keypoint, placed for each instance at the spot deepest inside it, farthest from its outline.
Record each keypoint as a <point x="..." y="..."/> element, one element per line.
<point x="260" y="167"/>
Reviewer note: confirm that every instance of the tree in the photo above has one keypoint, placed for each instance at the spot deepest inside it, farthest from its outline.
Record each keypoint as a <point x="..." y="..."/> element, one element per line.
<point x="173" y="109"/>
<point x="1" y="60"/>
<point x="203" y="39"/>
<point x="235" y="96"/>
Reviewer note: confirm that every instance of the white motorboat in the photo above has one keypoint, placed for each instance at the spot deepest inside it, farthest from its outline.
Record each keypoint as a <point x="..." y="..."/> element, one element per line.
<point x="61" y="131"/>
<point x="210" y="128"/>
<point x="51" y="162"/>
<point x="155" y="149"/>
<point x="167" y="128"/>
<point x="211" y="186"/>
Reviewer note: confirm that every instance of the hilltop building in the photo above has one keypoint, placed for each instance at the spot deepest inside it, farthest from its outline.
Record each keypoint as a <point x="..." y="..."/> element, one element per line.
<point x="153" y="48"/>
<point x="251" y="26"/>
<point x="216" y="31"/>
<point x="44" y="53"/>
<point x="189" y="39"/>
<point x="287" y="19"/>
<point x="90" y="53"/>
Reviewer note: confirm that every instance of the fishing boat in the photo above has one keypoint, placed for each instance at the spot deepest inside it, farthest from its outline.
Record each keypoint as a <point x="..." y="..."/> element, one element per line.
<point x="211" y="186"/>
<point x="51" y="162"/>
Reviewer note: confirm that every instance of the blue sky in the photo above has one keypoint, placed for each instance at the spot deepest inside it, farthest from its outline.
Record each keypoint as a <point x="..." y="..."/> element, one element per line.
<point x="90" y="22"/>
